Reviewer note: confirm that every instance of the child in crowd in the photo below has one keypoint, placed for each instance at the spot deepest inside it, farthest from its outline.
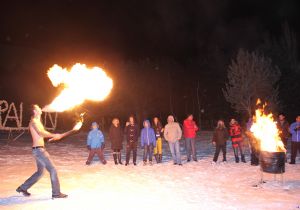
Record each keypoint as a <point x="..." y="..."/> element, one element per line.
<point x="148" y="141"/>
<point x="95" y="144"/>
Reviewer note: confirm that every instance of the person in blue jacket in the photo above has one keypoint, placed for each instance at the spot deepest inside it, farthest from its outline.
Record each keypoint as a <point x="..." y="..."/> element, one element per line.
<point x="295" y="131"/>
<point x="148" y="141"/>
<point x="95" y="144"/>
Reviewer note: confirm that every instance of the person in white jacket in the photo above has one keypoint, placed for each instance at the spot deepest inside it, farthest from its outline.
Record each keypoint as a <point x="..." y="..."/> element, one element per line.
<point x="173" y="134"/>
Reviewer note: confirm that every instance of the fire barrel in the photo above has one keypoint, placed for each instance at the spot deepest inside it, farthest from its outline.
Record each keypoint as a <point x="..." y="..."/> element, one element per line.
<point x="272" y="162"/>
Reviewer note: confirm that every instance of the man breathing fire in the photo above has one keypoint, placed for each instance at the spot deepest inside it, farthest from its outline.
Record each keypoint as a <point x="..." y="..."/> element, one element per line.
<point x="41" y="156"/>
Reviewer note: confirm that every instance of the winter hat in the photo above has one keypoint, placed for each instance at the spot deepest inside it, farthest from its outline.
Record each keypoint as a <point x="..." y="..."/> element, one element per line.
<point x="94" y="124"/>
<point x="148" y="122"/>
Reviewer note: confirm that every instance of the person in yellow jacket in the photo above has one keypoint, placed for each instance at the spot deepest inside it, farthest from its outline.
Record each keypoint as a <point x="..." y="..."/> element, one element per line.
<point x="157" y="126"/>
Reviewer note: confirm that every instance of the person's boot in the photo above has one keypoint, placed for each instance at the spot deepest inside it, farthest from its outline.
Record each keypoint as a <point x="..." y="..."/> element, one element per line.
<point x="160" y="158"/>
<point x="236" y="155"/>
<point x="119" y="158"/>
<point x="24" y="192"/>
<point x="243" y="158"/>
<point x="61" y="195"/>
<point x="156" y="158"/>
<point x="115" y="159"/>
<point x="144" y="163"/>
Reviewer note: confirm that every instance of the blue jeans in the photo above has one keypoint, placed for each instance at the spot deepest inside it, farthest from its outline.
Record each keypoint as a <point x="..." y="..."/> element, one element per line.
<point x="175" y="151"/>
<point x="148" y="151"/>
<point x="190" y="148"/>
<point x="43" y="161"/>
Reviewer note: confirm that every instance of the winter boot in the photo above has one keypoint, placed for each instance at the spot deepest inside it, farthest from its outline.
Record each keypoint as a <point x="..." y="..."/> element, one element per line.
<point x="156" y="158"/>
<point x="144" y="163"/>
<point x="115" y="159"/>
<point x="236" y="155"/>
<point x="150" y="163"/>
<point x="160" y="158"/>
<point x="119" y="158"/>
<point x="243" y="158"/>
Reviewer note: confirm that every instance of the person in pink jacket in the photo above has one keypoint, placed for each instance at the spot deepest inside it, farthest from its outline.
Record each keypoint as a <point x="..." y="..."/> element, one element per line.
<point x="189" y="131"/>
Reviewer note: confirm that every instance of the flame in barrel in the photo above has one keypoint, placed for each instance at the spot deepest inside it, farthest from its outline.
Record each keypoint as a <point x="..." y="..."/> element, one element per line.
<point x="265" y="129"/>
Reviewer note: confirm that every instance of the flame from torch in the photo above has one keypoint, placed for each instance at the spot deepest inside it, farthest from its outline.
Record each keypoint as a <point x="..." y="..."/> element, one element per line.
<point x="79" y="84"/>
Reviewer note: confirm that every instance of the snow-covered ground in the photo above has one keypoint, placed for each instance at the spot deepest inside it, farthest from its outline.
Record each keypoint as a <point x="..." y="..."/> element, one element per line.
<point x="195" y="185"/>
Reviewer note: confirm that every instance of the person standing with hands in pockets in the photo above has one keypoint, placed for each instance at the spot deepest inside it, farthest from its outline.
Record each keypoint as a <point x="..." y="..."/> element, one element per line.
<point x="132" y="133"/>
<point x="189" y="131"/>
<point x="148" y="141"/>
<point x="173" y="134"/>
<point x="220" y="137"/>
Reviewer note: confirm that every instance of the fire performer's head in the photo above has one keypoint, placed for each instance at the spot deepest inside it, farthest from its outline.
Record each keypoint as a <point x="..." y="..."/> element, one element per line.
<point x="36" y="110"/>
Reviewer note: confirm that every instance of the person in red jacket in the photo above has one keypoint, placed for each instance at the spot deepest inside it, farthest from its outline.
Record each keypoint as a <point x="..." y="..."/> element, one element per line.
<point x="235" y="132"/>
<point x="189" y="131"/>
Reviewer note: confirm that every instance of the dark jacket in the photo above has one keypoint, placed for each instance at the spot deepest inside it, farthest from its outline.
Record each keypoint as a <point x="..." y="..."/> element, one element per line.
<point x="220" y="136"/>
<point x="116" y="137"/>
<point x="157" y="128"/>
<point x="284" y="129"/>
<point x="132" y="133"/>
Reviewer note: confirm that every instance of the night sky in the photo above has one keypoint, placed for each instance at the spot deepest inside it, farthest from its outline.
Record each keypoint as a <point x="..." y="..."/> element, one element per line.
<point x="151" y="48"/>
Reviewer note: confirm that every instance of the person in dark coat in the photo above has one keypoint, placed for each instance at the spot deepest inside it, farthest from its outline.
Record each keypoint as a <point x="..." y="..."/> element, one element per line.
<point x="116" y="138"/>
<point x="132" y="134"/>
<point x="220" y="137"/>
<point x="284" y="129"/>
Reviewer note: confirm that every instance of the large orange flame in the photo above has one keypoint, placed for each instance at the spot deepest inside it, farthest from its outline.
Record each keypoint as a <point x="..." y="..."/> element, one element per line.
<point x="80" y="84"/>
<point x="264" y="128"/>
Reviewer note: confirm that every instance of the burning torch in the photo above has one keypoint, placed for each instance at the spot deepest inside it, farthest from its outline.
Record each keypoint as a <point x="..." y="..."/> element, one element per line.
<point x="76" y="127"/>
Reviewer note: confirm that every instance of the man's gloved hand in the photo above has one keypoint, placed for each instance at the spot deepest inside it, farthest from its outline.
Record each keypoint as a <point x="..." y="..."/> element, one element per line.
<point x="88" y="147"/>
<point x="102" y="145"/>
